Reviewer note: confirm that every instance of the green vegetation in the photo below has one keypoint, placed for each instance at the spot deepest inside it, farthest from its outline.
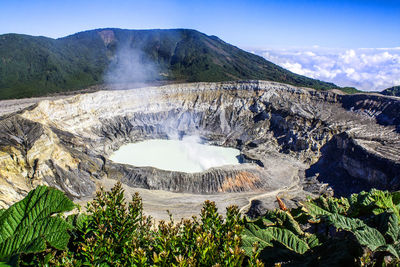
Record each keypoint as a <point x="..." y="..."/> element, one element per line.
<point x="362" y="230"/>
<point x="350" y="90"/>
<point x="115" y="233"/>
<point x="27" y="226"/>
<point x="393" y="91"/>
<point x="35" y="66"/>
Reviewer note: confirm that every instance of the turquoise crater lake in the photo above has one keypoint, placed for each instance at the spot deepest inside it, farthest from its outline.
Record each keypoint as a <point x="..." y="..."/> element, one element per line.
<point x="185" y="155"/>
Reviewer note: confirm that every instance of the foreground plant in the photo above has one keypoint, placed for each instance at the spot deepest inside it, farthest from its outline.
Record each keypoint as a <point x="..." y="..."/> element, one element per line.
<point x="118" y="234"/>
<point x="371" y="217"/>
<point x="33" y="225"/>
<point x="360" y="230"/>
<point x="280" y="239"/>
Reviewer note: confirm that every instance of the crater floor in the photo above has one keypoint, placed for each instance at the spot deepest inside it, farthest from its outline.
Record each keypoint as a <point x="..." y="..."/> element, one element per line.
<point x="293" y="141"/>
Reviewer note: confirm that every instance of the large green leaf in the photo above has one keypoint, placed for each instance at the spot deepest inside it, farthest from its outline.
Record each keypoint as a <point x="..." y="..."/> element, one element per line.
<point x="382" y="199"/>
<point x="265" y="238"/>
<point x="393" y="228"/>
<point x="375" y="202"/>
<point x="314" y="210"/>
<point x="28" y="224"/>
<point x="289" y="222"/>
<point x="329" y="204"/>
<point x="366" y="236"/>
<point x="361" y="203"/>
<point x="252" y="234"/>
<point x="284" y="219"/>
<point x="288" y="239"/>
<point x="312" y="240"/>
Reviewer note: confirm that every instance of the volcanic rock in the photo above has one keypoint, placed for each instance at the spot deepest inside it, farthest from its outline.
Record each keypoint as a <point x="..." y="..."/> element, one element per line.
<point x="291" y="140"/>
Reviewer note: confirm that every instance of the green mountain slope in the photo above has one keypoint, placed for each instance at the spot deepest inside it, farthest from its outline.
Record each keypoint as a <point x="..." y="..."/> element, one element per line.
<point x="33" y="66"/>
<point x="393" y="91"/>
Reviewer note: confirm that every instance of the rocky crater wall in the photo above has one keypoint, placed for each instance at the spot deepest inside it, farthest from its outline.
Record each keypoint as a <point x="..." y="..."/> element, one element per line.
<point x="286" y="135"/>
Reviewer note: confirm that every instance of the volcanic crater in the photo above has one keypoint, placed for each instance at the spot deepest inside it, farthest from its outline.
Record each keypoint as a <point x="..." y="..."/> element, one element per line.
<point x="293" y="142"/>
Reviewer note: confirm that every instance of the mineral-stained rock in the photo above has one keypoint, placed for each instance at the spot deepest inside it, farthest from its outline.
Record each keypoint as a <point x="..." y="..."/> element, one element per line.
<point x="286" y="135"/>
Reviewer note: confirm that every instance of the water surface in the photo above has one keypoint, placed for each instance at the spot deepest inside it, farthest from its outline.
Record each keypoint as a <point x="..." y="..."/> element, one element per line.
<point x="186" y="155"/>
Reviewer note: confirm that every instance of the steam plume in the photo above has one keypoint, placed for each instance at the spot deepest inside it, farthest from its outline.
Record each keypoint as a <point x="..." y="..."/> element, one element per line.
<point x="130" y="66"/>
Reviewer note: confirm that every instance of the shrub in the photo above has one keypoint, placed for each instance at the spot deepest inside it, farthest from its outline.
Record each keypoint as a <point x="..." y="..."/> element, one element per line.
<point x="118" y="234"/>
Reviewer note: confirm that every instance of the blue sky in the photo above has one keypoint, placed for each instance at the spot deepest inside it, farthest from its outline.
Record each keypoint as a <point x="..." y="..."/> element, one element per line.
<point x="247" y="24"/>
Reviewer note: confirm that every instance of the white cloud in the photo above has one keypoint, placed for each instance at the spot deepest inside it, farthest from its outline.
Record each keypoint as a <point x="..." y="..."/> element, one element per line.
<point x="368" y="69"/>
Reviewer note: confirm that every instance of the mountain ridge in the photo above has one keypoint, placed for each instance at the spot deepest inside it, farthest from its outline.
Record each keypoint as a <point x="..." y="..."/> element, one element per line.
<point x="38" y="65"/>
<point x="392" y="91"/>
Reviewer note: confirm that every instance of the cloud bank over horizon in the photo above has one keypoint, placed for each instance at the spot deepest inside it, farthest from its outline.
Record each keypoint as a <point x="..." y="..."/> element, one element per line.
<point x="367" y="69"/>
